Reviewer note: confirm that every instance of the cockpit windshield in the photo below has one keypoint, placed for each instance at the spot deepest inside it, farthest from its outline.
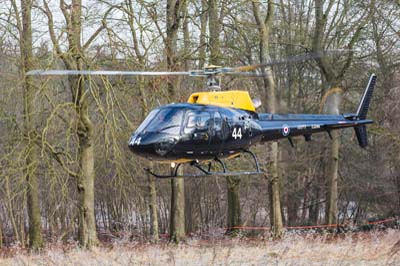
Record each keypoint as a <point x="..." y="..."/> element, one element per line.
<point x="167" y="120"/>
<point x="148" y="119"/>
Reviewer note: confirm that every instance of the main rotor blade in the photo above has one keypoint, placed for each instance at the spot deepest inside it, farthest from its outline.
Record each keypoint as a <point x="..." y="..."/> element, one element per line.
<point x="40" y="72"/>
<point x="294" y="59"/>
<point x="245" y="74"/>
<point x="243" y="70"/>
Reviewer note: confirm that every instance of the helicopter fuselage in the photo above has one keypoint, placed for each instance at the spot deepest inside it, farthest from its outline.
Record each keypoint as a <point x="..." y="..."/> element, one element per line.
<point x="194" y="132"/>
<point x="187" y="132"/>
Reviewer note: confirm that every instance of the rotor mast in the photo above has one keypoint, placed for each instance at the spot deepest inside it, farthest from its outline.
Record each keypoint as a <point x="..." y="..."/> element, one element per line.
<point x="213" y="80"/>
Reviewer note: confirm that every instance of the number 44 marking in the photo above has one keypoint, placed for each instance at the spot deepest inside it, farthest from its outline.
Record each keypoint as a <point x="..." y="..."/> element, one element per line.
<point x="237" y="133"/>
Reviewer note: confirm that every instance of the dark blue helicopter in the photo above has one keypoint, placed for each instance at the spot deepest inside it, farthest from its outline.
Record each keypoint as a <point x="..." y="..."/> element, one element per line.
<point x="223" y="124"/>
<point x="192" y="132"/>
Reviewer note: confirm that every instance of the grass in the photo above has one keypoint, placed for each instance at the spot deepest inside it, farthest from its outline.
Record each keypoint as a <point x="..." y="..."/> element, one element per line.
<point x="372" y="248"/>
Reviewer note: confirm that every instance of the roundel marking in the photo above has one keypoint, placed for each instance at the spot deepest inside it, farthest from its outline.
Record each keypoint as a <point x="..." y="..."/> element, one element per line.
<point x="285" y="130"/>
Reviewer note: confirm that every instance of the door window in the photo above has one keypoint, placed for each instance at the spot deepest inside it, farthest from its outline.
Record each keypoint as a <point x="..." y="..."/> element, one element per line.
<point x="217" y="121"/>
<point x="199" y="121"/>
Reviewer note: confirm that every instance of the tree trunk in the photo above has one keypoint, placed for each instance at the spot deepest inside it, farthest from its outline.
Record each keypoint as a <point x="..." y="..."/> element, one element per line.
<point x="314" y="206"/>
<point x="233" y="184"/>
<point x="86" y="176"/>
<point x="33" y="204"/>
<point x="332" y="168"/>
<point x="186" y="36"/>
<point x="177" y="226"/>
<point x="177" y="216"/>
<point x="264" y="27"/>
<point x="10" y="207"/>
<point x="292" y="207"/>
<point x="73" y="60"/>
<point x="214" y="28"/>
<point x="277" y="225"/>
<point x="234" y="211"/>
<point x="203" y="33"/>
<point x="153" y="208"/>
<point x="333" y="76"/>
<point x="332" y="193"/>
<point x="174" y="11"/>
<point x="152" y="184"/>
<point x="1" y="234"/>
<point x="22" y="232"/>
<point x="85" y="131"/>
<point x="152" y="198"/>
<point x="145" y="108"/>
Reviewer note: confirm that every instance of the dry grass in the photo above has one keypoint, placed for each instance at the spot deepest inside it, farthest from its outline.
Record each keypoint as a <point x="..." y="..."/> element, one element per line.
<point x="374" y="248"/>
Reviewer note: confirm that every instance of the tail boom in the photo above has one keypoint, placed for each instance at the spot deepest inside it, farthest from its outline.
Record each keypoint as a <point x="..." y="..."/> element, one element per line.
<point x="275" y="126"/>
<point x="305" y="126"/>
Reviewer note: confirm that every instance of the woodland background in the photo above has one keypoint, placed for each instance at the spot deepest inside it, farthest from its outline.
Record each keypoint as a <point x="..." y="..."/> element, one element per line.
<point x="66" y="172"/>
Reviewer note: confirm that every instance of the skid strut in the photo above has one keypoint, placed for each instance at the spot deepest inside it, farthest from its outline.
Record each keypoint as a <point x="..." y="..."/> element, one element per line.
<point x="207" y="172"/>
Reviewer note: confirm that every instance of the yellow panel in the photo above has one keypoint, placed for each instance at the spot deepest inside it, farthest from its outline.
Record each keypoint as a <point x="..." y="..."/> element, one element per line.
<point x="182" y="160"/>
<point x="234" y="99"/>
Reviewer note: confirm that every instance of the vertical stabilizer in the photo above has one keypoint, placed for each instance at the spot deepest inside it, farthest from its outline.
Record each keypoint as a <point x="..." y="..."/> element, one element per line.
<point x="361" y="131"/>
<point x="366" y="99"/>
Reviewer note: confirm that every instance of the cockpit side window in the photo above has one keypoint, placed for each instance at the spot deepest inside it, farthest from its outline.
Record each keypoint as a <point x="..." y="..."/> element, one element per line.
<point x="191" y="122"/>
<point x="197" y="121"/>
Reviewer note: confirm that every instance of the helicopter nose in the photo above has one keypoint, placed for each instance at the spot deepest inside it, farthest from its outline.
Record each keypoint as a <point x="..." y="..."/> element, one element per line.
<point x="152" y="145"/>
<point x="134" y="140"/>
<point x="136" y="145"/>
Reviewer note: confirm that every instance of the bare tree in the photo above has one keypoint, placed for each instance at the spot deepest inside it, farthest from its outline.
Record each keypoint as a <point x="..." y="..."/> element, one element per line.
<point x="134" y="26"/>
<point x="24" y="27"/>
<point x="33" y="204"/>
<point x="333" y="77"/>
<point x="264" y="27"/>
<point x="73" y="59"/>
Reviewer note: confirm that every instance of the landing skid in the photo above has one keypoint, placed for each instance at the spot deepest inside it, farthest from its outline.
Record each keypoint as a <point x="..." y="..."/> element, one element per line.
<point x="207" y="172"/>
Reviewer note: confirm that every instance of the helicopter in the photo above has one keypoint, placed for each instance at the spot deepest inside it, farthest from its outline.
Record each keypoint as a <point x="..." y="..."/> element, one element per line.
<point x="215" y="125"/>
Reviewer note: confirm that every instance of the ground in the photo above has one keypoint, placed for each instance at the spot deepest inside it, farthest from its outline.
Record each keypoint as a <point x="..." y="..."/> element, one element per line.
<point x="371" y="248"/>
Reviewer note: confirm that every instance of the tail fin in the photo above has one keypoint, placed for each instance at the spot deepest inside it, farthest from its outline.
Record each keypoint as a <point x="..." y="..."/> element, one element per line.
<point x="361" y="131"/>
<point x="366" y="99"/>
